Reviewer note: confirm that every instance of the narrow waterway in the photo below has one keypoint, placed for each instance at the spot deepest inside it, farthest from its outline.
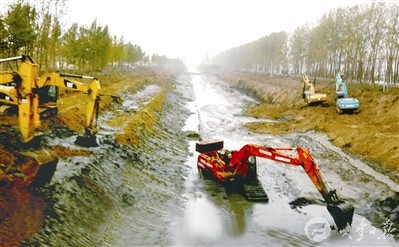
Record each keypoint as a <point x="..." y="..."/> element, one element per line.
<point x="211" y="217"/>
<point x="152" y="195"/>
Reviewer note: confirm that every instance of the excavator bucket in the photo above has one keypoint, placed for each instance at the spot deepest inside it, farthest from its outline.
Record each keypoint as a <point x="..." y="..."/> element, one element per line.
<point x="37" y="163"/>
<point x="88" y="139"/>
<point x="47" y="166"/>
<point x="342" y="214"/>
<point x="34" y="168"/>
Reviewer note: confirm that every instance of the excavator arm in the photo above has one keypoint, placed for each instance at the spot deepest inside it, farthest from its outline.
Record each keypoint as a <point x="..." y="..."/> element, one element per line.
<point x="304" y="159"/>
<point x="340" y="211"/>
<point x="23" y="88"/>
<point x="307" y="85"/>
<point x="340" y="87"/>
<point x="17" y="89"/>
<point x="92" y="90"/>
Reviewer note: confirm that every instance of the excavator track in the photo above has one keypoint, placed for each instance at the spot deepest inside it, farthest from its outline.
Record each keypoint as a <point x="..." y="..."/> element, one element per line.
<point x="254" y="191"/>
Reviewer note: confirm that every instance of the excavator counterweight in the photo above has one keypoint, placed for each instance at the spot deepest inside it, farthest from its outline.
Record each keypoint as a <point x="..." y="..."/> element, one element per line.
<point x="239" y="167"/>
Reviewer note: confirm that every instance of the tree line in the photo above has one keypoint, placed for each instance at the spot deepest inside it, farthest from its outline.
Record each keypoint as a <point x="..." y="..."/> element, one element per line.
<point x="35" y="29"/>
<point x="361" y="41"/>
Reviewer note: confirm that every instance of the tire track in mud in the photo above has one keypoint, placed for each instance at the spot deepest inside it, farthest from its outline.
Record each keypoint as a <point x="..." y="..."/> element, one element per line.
<point x="119" y="195"/>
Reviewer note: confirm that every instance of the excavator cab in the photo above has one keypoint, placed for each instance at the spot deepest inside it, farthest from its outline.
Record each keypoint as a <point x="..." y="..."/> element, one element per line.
<point x="48" y="96"/>
<point x="252" y="173"/>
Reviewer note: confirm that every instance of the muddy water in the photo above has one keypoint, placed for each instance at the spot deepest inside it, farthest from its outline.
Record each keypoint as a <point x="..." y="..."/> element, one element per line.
<point x="119" y="195"/>
<point x="151" y="195"/>
<point x="211" y="217"/>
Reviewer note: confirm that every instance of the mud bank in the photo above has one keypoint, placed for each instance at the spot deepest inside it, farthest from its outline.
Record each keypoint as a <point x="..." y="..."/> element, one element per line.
<point x="140" y="186"/>
<point x="119" y="193"/>
<point x="373" y="133"/>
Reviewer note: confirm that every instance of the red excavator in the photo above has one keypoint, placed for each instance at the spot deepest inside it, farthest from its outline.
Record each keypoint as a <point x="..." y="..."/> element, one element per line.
<point x="238" y="169"/>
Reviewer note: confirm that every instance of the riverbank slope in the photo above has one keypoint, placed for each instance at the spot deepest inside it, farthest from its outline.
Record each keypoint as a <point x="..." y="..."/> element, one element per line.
<point x="373" y="133"/>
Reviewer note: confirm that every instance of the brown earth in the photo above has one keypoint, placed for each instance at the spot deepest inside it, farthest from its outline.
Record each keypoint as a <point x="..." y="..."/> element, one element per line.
<point x="71" y="116"/>
<point x="70" y="121"/>
<point x="373" y="133"/>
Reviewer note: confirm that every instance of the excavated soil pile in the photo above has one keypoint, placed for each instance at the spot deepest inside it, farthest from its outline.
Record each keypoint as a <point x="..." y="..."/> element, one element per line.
<point x="373" y="133"/>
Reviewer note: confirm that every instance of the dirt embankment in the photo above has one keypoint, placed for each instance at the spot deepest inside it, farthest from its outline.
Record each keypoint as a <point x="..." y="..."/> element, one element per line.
<point x="373" y="133"/>
<point x="71" y="116"/>
<point x="90" y="191"/>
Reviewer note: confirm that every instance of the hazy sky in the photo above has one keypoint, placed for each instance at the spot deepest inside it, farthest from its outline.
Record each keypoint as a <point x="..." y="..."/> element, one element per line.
<point x="192" y="29"/>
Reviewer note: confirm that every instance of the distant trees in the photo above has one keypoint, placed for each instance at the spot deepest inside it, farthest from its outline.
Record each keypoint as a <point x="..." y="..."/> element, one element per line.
<point x="360" y="41"/>
<point x="36" y="30"/>
<point x="19" y="29"/>
<point x="164" y="61"/>
<point x="267" y="54"/>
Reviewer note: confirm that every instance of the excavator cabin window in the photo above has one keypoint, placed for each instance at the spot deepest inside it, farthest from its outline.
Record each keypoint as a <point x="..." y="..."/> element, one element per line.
<point x="48" y="94"/>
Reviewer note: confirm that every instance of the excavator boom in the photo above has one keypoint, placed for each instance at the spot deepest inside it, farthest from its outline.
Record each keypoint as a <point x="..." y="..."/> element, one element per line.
<point x="22" y="91"/>
<point x="344" y="103"/>
<point x="92" y="90"/>
<point x="17" y="89"/>
<point x="235" y="165"/>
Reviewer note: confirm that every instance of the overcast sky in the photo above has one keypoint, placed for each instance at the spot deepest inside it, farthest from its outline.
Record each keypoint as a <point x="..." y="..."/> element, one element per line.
<point x="192" y="29"/>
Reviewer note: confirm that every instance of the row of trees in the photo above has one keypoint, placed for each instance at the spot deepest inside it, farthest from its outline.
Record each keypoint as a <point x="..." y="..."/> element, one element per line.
<point x="36" y="30"/>
<point x="360" y="41"/>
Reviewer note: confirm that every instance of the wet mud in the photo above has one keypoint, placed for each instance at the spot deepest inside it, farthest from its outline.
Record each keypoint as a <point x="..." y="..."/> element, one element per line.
<point x="371" y="133"/>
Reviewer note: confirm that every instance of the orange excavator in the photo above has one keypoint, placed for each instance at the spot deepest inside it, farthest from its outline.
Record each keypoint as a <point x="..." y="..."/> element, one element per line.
<point x="238" y="169"/>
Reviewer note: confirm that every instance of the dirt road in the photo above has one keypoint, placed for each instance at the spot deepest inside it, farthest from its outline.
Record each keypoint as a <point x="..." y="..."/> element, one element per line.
<point x="140" y="187"/>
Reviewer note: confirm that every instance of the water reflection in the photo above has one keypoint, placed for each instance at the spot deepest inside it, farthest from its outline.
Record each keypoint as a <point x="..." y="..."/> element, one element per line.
<point x="210" y="218"/>
<point x="202" y="219"/>
<point x="239" y="213"/>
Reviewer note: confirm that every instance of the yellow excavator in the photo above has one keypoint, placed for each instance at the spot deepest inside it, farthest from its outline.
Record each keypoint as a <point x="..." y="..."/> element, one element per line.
<point x="24" y="94"/>
<point x="309" y="95"/>
<point x="35" y="164"/>
<point x="46" y="90"/>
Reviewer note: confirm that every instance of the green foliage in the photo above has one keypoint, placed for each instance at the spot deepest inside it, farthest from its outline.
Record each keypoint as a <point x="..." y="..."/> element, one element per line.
<point x="20" y="21"/>
<point x="3" y="38"/>
<point x="24" y="30"/>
